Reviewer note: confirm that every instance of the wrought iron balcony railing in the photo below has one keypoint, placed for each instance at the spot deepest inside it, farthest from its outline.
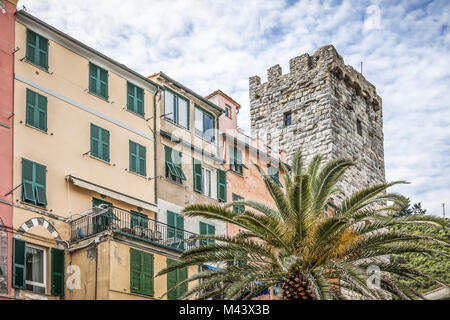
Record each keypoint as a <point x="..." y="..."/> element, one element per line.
<point x="135" y="225"/>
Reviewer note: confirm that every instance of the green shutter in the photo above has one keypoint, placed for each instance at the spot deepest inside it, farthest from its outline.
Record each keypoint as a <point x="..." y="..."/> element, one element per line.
<point x="37" y="49"/>
<point x="99" y="143"/>
<point x="147" y="275"/>
<point x="98" y="80"/>
<point x="28" y="181"/>
<point x="19" y="259"/>
<point x="142" y="163"/>
<point x="137" y="158"/>
<point x="204" y="230"/>
<point x="34" y="183"/>
<point x="105" y="144"/>
<point x="133" y="156"/>
<point x="171" y="281"/>
<point x="212" y="231"/>
<point x="221" y="185"/>
<point x="135" y="99"/>
<point x="198" y="176"/>
<point x="175" y="277"/>
<point x="58" y="270"/>
<point x="135" y="270"/>
<point x="36" y="110"/>
<point x="40" y="184"/>
<point x="171" y="223"/>
<point x="178" y="163"/>
<point x="181" y="276"/>
<point x="170" y="167"/>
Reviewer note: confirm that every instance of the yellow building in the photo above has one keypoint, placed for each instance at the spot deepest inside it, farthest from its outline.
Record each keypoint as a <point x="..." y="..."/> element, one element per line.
<point x="86" y="205"/>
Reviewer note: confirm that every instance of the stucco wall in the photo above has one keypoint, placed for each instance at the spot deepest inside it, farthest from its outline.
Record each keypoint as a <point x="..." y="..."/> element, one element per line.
<point x="6" y="139"/>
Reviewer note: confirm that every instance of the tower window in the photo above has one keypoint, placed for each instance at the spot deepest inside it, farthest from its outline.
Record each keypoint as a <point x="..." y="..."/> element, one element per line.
<point x="287" y="119"/>
<point x="359" y="127"/>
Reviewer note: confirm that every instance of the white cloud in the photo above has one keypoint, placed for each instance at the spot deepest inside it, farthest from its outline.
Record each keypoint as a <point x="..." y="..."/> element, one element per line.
<point x="208" y="45"/>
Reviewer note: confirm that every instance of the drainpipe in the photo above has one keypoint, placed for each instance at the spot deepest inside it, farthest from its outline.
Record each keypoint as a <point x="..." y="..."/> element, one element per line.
<point x="155" y="148"/>
<point x="96" y="269"/>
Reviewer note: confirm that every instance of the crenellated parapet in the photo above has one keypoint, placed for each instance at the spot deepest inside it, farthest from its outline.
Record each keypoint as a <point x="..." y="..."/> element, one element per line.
<point x="325" y="59"/>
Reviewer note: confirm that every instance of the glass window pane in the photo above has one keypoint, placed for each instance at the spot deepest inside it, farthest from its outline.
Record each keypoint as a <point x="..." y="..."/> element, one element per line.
<point x="182" y="113"/>
<point x="198" y="121"/>
<point x="208" y="126"/>
<point x="168" y="105"/>
<point x="35" y="265"/>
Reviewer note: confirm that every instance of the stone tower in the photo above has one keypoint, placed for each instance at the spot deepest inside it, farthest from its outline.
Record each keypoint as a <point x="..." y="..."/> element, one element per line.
<point x="325" y="107"/>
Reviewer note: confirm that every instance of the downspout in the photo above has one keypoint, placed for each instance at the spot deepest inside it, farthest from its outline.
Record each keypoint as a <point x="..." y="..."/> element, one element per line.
<point x="155" y="148"/>
<point x="96" y="270"/>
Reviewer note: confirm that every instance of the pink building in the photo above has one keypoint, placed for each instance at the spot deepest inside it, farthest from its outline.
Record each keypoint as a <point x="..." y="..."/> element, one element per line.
<point x="7" y="18"/>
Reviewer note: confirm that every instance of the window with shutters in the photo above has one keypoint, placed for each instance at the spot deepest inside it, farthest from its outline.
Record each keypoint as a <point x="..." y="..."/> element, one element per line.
<point x="175" y="230"/>
<point x="103" y="221"/>
<point x="221" y="185"/>
<point x="204" y="124"/>
<point x="138" y="219"/>
<point x="174" y="169"/>
<point x="137" y="158"/>
<point x="176" y="108"/>
<point x="141" y="272"/>
<point x="30" y="268"/>
<point x="272" y="171"/>
<point x="37" y="49"/>
<point x="207" y="229"/>
<point x="99" y="143"/>
<point x="135" y="99"/>
<point x="173" y="278"/>
<point x="238" y="208"/>
<point x="98" y="81"/>
<point x="36" y="110"/>
<point x="138" y="224"/>
<point x="236" y="164"/>
<point x="34" y="183"/>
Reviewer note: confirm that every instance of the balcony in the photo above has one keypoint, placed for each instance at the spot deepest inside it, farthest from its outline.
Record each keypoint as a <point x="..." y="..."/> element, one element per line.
<point x="133" y="225"/>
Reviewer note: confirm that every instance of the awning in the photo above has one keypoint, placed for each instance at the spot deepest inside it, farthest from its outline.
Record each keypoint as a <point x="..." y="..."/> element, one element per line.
<point x="210" y="267"/>
<point x="111" y="193"/>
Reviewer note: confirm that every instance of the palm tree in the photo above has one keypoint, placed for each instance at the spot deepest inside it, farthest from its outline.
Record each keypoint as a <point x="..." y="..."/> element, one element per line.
<point x="294" y="245"/>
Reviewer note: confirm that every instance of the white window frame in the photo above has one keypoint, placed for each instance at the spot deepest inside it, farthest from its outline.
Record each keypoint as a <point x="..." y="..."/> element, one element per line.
<point x="204" y="181"/>
<point x="44" y="268"/>
<point x="200" y="122"/>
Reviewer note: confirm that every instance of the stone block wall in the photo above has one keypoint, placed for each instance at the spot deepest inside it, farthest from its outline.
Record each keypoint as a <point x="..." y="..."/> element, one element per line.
<point x="335" y="112"/>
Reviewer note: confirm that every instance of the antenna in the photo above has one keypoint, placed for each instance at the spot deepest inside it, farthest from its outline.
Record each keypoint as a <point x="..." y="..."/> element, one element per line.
<point x="443" y="210"/>
<point x="361" y="67"/>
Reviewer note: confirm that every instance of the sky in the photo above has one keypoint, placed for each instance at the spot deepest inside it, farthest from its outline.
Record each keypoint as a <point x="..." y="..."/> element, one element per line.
<point x="209" y="45"/>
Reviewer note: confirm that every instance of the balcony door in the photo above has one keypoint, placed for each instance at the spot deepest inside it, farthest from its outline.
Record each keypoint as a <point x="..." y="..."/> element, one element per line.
<point x="175" y="230"/>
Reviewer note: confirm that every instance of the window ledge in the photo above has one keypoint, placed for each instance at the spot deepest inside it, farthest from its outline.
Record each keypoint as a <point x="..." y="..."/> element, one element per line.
<point x="34" y="205"/>
<point x="98" y="96"/>
<point x="176" y="124"/>
<point x="99" y="159"/>
<point x="37" y="66"/>
<point x="136" y="174"/>
<point x="135" y="113"/>
<point x="33" y="127"/>
<point x="236" y="173"/>
<point x="174" y="182"/>
<point x="206" y="140"/>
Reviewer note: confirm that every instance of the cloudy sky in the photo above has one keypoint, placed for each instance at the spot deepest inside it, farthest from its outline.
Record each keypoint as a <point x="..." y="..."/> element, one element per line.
<point x="207" y="45"/>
